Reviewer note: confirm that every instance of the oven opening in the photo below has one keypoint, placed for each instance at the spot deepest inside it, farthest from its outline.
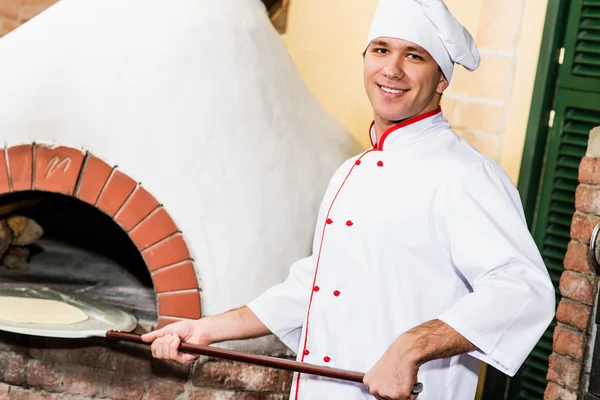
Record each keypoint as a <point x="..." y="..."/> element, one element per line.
<point x="82" y="250"/>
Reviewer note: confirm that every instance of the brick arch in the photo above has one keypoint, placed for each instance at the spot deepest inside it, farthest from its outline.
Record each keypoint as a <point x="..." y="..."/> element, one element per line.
<point x="81" y="175"/>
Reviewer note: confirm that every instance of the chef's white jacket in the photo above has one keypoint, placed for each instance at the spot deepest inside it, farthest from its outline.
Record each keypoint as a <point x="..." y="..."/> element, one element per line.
<point x="419" y="227"/>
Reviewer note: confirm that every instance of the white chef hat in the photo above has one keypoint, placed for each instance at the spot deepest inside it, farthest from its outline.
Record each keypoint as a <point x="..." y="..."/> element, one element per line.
<point x="429" y="24"/>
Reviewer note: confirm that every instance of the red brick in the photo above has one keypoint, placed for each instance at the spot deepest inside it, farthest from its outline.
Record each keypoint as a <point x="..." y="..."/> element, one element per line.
<point x="4" y="391"/>
<point x="43" y="376"/>
<point x="20" y="162"/>
<point x="89" y="356"/>
<point x="588" y="171"/>
<point x="138" y="206"/>
<point x="573" y="314"/>
<point x="12" y="368"/>
<point x="117" y="190"/>
<point x="163" y="389"/>
<point x="9" y="10"/>
<point x="576" y="258"/>
<point x="563" y="371"/>
<point x="85" y="382"/>
<point x="120" y="361"/>
<point x="554" y="392"/>
<point x="177" y="277"/>
<point x="587" y="199"/>
<point x="153" y="229"/>
<point x="179" y="304"/>
<point x="58" y="355"/>
<point x="208" y="394"/>
<point x="227" y="375"/>
<point x="94" y="177"/>
<point x="125" y="387"/>
<point x="569" y="342"/>
<point x="22" y="394"/>
<point x="582" y="226"/>
<point x="170" y="251"/>
<point x="57" y="169"/>
<point x="285" y="380"/>
<point x="105" y="358"/>
<point x="170" y="371"/>
<point x="576" y="286"/>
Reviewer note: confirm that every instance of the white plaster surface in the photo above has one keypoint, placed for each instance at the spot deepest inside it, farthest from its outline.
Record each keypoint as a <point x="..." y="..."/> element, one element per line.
<point x="197" y="100"/>
<point x="593" y="149"/>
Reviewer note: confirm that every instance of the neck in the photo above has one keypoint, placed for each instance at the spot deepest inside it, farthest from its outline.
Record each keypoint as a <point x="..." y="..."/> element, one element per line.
<point x="382" y="125"/>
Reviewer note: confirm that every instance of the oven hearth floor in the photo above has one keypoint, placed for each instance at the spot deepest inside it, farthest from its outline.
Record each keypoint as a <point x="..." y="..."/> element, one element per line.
<point x="70" y="269"/>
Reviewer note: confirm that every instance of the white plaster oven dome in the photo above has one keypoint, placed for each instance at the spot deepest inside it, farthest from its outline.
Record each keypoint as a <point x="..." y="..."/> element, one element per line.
<point x="196" y="101"/>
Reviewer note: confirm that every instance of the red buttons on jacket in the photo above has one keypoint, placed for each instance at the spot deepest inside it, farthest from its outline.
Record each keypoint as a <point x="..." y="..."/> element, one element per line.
<point x="328" y="221"/>
<point x="336" y="293"/>
<point x="357" y="162"/>
<point x="306" y="352"/>
<point x="380" y="163"/>
<point x="316" y="288"/>
<point x="326" y="358"/>
<point x="349" y="223"/>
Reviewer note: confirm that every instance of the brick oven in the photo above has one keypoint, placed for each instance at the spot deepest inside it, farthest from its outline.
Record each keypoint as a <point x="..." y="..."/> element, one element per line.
<point x="174" y="172"/>
<point x="574" y="370"/>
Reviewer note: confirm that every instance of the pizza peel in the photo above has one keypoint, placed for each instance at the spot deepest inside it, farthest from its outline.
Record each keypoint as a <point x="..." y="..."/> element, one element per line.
<point x="110" y="322"/>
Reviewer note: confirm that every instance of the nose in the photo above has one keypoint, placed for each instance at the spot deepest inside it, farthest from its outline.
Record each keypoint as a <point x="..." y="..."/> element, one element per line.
<point x="393" y="70"/>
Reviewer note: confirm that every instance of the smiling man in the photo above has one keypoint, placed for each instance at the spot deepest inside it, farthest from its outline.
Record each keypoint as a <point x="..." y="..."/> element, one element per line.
<point x="402" y="80"/>
<point x="422" y="263"/>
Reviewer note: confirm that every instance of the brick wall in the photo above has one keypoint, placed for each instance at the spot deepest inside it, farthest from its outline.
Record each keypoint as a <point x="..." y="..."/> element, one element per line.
<point x="58" y="369"/>
<point x="567" y="372"/>
<point x="476" y="104"/>
<point x="13" y="13"/>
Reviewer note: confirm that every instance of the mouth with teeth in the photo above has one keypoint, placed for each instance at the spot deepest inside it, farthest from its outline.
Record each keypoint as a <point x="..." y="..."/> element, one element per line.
<point x="392" y="91"/>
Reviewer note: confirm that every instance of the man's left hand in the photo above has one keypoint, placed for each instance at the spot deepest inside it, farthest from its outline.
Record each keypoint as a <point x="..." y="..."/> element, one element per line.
<point x="395" y="374"/>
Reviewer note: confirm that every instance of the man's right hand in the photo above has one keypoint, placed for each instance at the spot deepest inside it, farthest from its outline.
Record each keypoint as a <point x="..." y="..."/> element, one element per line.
<point x="240" y="323"/>
<point x="165" y="341"/>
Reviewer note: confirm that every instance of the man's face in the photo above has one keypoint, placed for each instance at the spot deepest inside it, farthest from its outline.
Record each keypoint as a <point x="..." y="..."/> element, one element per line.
<point x="402" y="80"/>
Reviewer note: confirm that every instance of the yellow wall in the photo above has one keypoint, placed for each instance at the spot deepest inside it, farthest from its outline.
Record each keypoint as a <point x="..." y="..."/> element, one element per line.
<point x="325" y="40"/>
<point x="488" y="107"/>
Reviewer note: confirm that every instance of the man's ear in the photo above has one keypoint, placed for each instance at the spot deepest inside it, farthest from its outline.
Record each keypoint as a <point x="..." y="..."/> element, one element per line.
<point x="442" y="84"/>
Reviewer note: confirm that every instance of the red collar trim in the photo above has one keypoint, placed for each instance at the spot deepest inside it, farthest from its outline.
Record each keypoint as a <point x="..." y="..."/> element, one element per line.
<point x="402" y="124"/>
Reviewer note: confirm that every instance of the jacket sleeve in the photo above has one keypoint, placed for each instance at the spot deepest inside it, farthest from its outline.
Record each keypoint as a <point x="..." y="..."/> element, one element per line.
<point x="282" y="308"/>
<point x="512" y="299"/>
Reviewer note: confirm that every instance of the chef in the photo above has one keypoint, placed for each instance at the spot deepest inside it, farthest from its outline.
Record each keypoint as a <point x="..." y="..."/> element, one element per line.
<point x="422" y="265"/>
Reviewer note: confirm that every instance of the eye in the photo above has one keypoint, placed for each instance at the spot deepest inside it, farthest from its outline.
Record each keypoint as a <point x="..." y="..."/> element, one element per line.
<point x="380" y="50"/>
<point x="414" y="56"/>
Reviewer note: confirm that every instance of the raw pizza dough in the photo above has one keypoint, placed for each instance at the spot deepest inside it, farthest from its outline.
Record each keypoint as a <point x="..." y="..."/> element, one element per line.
<point x="25" y="310"/>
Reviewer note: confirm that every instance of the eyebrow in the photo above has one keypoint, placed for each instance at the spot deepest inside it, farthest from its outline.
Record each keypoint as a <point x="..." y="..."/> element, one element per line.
<point x="382" y="43"/>
<point x="415" y="49"/>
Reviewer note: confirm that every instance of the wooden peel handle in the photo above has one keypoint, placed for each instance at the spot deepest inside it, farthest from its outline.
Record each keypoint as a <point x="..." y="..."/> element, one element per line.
<point x="266" y="361"/>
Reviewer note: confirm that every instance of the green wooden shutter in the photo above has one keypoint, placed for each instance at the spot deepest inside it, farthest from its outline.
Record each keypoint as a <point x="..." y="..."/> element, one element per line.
<point x="581" y="67"/>
<point x="577" y="111"/>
